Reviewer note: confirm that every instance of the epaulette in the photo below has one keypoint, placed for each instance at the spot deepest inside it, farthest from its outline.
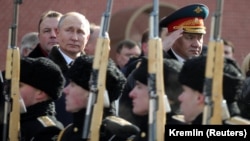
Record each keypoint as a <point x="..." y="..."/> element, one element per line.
<point x="236" y="120"/>
<point x="46" y="121"/>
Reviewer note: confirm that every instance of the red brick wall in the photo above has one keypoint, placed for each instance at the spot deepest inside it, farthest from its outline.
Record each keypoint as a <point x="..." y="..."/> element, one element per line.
<point x="235" y="24"/>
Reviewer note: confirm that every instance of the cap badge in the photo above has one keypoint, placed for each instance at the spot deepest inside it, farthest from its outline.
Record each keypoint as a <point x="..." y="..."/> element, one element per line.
<point x="198" y="10"/>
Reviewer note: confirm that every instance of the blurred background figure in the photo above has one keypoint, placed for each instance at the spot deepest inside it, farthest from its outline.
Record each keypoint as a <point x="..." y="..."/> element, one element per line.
<point x="94" y="34"/>
<point x="125" y="50"/>
<point x="228" y="49"/>
<point x="245" y="66"/>
<point x="28" y="43"/>
<point x="244" y="97"/>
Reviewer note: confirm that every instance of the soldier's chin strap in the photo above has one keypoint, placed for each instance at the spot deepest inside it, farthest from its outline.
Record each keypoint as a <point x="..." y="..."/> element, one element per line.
<point x="167" y="106"/>
<point x="106" y="99"/>
<point x="225" y="111"/>
<point x="22" y="106"/>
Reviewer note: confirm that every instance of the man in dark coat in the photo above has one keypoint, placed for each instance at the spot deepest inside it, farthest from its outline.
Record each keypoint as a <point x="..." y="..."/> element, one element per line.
<point x="47" y="27"/>
<point x="72" y="34"/>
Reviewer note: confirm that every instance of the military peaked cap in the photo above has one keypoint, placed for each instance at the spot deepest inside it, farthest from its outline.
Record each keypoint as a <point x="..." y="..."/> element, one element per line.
<point x="190" y="18"/>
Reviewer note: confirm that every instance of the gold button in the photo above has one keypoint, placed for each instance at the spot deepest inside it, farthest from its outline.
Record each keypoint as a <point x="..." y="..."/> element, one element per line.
<point x="75" y="129"/>
<point x="143" y="134"/>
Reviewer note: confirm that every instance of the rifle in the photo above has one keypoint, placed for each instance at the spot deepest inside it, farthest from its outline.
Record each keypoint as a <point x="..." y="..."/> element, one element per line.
<point x="212" y="113"/>
<point x="11" y="119"/>
<point x="155" y="79"/>
<point x="94" y="111"/>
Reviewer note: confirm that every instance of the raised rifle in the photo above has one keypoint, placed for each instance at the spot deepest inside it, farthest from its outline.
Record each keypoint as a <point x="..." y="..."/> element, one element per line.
<point x="11" y="119"/>
<point x="94" y="111"/>
<point x="157" y="111"/>
<point x="213" y="85"/>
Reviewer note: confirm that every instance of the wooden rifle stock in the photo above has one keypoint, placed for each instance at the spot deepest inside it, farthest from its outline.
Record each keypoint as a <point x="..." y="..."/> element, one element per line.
<point x="94" y="112"/>
<point x="213" y="88"/>
<point x="157" y="112"/>
<point x="11" y="126"/>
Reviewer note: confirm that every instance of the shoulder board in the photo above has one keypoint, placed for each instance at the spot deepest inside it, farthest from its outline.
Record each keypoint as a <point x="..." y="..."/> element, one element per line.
<point x="46" y="121"/>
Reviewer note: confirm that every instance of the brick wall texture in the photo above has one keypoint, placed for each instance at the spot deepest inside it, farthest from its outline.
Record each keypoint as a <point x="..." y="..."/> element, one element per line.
<point x="235" y="21"/>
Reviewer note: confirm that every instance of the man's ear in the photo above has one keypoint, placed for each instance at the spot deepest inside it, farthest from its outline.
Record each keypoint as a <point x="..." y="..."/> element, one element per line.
<point x="40" y="95"/>
<point x="200" y="98"/>
<point x="25" y="51"/>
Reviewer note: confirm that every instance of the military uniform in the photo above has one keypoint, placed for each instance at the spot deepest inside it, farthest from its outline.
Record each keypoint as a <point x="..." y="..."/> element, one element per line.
<point x="80" y="74"/>
<point x="143" y="125"/>
<point x="193" y="76"/>
<point x="73" y="131"/>
<point x="110" y="131"/>
<point x="39" y="123"/>
<point x="189" y="18"/>
<point x="172" y="89"/>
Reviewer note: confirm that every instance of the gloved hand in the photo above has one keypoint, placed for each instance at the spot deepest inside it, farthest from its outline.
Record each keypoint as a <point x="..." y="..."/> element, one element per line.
<point x="116" y="128"/>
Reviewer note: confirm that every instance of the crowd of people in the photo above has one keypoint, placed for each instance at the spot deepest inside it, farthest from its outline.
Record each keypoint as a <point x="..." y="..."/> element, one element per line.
<point x="57" y="63"/>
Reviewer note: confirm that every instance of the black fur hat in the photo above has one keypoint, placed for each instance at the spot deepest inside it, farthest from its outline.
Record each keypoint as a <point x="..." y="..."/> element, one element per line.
<point x="193" y="75"/>
<point x="43" y="74"/>
<point x="171" y="71"/>
<point x="81" y="70"/>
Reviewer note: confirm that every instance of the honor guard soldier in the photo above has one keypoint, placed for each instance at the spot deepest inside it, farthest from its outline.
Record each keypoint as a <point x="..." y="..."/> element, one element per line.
<point x="140" y="94"/>
<point x="77" y="93"/>
<point x="192" y="98"/>
<point x="41" y="83"/>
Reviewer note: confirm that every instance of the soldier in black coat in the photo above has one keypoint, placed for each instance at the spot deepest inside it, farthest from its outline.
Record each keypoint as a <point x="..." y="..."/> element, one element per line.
<point x="192" y="78"/>
<point x="41" y="83"/>
<point x="77" y="93"/>
<point x="140" y="96"/>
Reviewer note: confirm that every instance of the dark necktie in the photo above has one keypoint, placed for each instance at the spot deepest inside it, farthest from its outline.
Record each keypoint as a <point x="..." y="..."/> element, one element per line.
<point x="70" y="64"/>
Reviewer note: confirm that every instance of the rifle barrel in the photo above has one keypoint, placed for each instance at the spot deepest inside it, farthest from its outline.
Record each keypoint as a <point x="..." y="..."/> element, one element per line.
<point x="218" y="19"/>
<point x="97" y="80"/>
